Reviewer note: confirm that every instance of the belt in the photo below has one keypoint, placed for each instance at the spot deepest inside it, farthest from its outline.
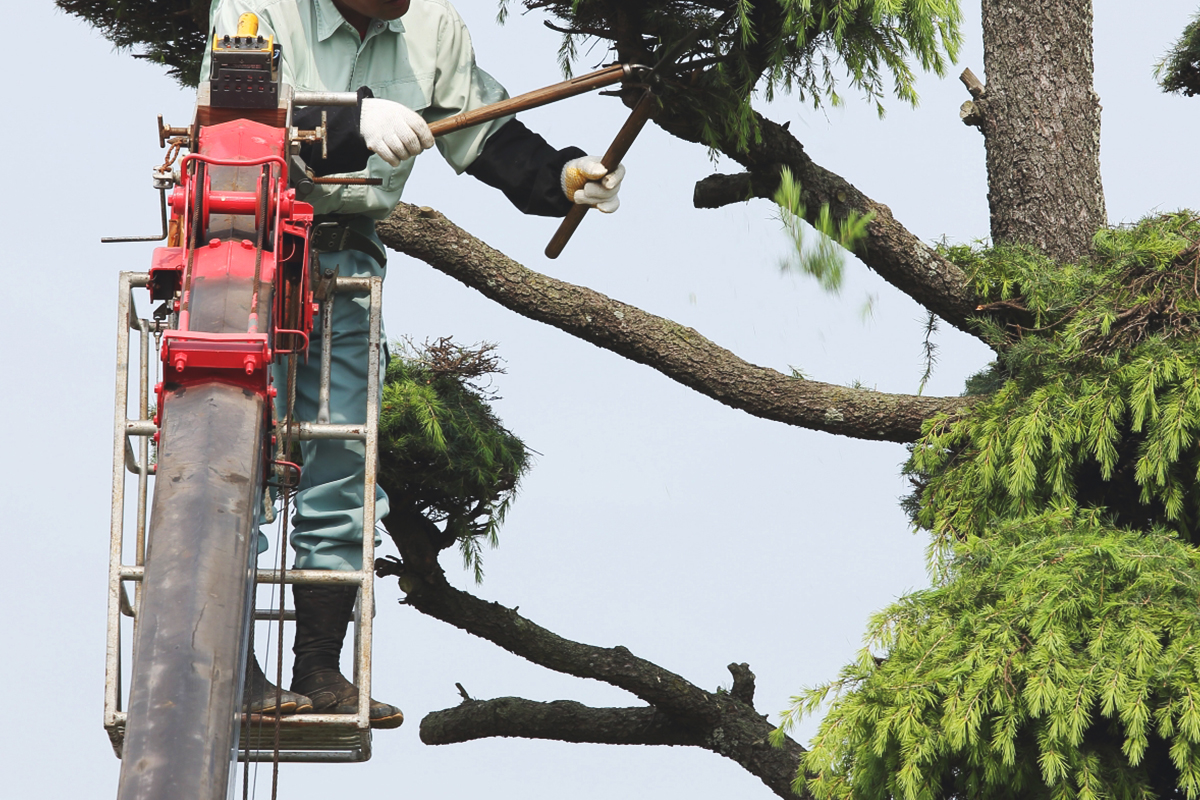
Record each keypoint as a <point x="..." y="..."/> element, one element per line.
<point x="337" y="233"/>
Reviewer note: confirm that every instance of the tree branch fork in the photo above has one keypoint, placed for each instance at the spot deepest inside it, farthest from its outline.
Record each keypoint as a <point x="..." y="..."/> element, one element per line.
<point x="676" y="712"/>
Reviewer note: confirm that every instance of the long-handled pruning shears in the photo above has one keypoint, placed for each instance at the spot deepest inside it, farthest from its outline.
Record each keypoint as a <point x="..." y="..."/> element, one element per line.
<point x="550" y="94"/>
<point x="642" y="110"/>
<point x="639" y="74"/>
<point x="611" y="160"/>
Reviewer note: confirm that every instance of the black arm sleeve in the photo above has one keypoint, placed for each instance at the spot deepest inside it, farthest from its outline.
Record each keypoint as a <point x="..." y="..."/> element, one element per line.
<point x="347" y="150"/>
<point x="521" y="164"/>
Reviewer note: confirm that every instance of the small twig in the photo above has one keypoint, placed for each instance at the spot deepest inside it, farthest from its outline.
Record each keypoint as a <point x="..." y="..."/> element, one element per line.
<point x="445" y="357"/>
<point x="1010" y="305"/>
<point x="599" y="33"/>
<point x="466" y="697"/>
<point x="929" y="350"/>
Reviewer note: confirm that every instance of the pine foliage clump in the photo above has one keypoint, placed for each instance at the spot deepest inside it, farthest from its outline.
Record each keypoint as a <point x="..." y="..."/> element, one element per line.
<point x="1058" y="658"/>
<point x="730" y="49"/>
<point x="1179" y="71"/>
<point x="1097" y="398"/>
<point x="1057" y="654"/>
<point x="168" y="32"/>
<point x="448" y="464"/>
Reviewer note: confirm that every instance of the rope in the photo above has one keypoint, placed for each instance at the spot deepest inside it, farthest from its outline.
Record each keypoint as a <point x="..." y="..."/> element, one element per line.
<point x="246" y="743"/>
<point x="286" y="487"/>
<point x="287" y="494"/>
<point x="281" y="540"/>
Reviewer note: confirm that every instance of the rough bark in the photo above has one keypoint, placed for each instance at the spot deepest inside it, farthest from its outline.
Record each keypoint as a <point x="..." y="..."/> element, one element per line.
<point x="1041" y="121"/>
<point x="677" y="711"/>
<point x="678" y="352"/>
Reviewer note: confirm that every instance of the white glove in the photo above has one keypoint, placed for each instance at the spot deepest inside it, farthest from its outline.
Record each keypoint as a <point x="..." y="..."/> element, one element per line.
<point x="392" y="131"/>
<point x="588" y="182"/>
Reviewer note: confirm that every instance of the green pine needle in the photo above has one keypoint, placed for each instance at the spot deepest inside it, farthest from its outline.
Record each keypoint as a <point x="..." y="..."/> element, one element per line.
<point x="824" y="260"/>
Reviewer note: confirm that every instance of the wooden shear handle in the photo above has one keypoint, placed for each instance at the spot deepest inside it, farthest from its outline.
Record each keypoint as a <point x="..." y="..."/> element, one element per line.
<point x="611" y="160"/>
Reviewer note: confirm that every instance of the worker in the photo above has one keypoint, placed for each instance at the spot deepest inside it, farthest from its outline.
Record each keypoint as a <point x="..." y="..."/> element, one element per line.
<point x="411" y="62"/>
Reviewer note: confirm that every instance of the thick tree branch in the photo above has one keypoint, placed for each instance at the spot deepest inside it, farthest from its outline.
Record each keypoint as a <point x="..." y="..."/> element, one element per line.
<point x="562" y="720"/>
<point x="679" y="712"/>
<point x="678" y="352"/>
<point x="432" y="595"/>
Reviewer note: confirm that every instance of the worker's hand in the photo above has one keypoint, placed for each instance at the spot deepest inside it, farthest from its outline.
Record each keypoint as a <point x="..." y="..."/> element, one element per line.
<point x="588" y="182"/>
<point x="392" y="131"/>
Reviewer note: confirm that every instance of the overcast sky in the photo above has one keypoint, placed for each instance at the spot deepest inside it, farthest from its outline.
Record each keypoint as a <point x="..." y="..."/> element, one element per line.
<point x="654" y="518"/>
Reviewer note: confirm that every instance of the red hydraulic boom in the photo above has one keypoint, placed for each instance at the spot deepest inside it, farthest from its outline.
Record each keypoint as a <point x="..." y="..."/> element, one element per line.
<point x="235" y="286"/>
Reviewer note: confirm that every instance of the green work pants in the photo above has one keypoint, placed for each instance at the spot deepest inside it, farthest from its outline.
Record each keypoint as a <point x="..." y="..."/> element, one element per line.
<point x="327" y="524"/>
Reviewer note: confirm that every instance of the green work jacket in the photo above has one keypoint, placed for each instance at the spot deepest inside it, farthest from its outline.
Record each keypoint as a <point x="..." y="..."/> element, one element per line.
<point x="423" y="60"/>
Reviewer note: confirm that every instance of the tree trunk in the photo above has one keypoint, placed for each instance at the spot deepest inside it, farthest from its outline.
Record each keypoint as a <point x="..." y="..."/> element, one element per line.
<point x="1041" y="123"/>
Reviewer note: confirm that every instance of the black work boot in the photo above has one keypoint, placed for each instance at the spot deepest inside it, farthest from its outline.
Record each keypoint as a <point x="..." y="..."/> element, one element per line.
<point x="322" y="614"/>
<point x="258" y="696"/>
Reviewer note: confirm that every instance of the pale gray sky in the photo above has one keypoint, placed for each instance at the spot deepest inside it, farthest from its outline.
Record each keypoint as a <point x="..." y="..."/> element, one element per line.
<point x="655" y="518"/>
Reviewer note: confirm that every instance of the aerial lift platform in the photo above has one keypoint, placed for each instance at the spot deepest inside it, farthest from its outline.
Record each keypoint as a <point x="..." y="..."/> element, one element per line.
<point x="206" y="429"/>
<point x="238" y="295"/>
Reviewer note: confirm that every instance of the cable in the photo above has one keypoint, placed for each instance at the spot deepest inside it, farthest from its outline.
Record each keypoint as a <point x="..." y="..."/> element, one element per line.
<point x="289" y="418"/>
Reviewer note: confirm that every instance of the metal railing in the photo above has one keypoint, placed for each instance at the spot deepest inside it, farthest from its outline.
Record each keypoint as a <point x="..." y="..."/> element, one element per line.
<point x="304" y="737"/>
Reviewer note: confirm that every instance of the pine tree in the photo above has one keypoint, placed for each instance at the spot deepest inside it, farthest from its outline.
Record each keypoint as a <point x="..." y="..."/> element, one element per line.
<point x="1055" y="653"/>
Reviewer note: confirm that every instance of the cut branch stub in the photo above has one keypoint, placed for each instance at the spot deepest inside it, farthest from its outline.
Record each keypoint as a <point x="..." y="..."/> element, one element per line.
<point x="743" y="683"/>
<point x="717" y="191"/>
<point x="973" y="84"/>
<point x="969" y="112"/>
